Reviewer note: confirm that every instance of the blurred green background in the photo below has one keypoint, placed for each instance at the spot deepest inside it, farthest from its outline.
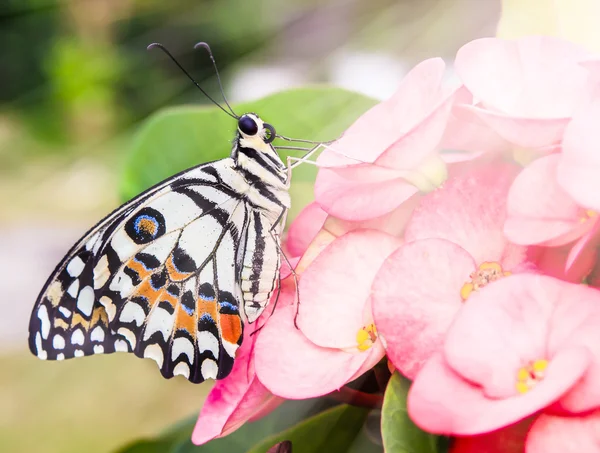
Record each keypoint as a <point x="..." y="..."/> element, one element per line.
<point x="76" y="82"/>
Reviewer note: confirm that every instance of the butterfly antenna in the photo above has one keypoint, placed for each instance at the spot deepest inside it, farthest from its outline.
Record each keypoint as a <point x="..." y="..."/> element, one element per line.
<point x="212" y="58"/>
<point x="164" y="49"/>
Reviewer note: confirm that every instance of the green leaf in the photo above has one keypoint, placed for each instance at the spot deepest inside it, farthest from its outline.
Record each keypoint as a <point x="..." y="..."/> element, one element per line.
<point x="178" y="138"/>
<point x="332" y="431"/>
<point x="400" y="434"/>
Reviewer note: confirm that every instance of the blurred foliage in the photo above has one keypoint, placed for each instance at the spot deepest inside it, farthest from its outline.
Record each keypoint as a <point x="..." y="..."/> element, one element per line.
<point x="180" y="138"/>
<point x="313" y="426"/>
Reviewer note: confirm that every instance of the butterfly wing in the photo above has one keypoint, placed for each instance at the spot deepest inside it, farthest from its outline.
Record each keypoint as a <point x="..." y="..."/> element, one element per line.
<point x="157" y="277"/>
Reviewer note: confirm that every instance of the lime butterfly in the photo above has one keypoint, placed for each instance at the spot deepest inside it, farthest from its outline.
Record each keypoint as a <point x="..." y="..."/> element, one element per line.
<point x="175" y="273"/>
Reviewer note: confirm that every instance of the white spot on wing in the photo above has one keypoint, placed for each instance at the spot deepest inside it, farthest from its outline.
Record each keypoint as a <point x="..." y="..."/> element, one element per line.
<point x="77" y="337"/>
<point x="129" y="336"/>
<point x="58" y="342"/>
<point x="182" y="345"/>
<point x="38" y="347"/>
<point x="208" y="342"/>
<point x="154" y="352"/>
<point x="60" y="356"/>
<point x="44" y="321"/>
<point x="101" y="273"/>
<point x="78" y="353"/>
<point x="178" y="210"/>
<point x="65" y="311"/>
<point x="230" y="348"/>
<point x="98" y="349"/>
<point x="133" y="312"/>
<point x="73" y="289"/>
<point x="122" y="283"/>
<point x="109" y="307"/>
<point x="89" y="245"/>
<point x="97" y="334"/>
<point x="209" y="369"/>
<point x="75" y="267"/>
<point x="159" y="321"/>
<point x="161" y="248"/>
<point x="121" y="346"/>
<point x="206" y="228"/>
<point x="182" y="369"/>
<point x="123" y="245"/>
<point x="85" y="300"/>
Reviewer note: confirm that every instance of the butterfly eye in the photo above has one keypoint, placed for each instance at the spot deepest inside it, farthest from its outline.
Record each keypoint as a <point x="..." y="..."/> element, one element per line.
<point x="270" y="133"/>
<point x="247" y="125"/>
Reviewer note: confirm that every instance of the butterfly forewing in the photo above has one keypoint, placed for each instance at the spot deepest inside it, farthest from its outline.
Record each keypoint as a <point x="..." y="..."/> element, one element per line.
<point x="173" y="274"/>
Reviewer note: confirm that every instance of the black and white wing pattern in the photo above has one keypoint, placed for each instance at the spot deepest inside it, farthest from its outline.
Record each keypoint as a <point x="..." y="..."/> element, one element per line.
<point x="159" y="277"/>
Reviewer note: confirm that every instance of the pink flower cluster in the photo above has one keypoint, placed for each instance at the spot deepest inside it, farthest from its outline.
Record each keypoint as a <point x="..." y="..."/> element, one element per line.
<point x="455" y="231"/>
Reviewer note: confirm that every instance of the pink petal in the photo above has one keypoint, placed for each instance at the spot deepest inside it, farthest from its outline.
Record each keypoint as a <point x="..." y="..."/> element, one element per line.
<point x="552" y="261"/>
<point x="551" y="434"/>
<point x="505" y="440"/>
<point x="478" y="346"/>
<point x="440" y="401"/>
<point x="419" y="93"/>
<point x="533" y="133"/>
<point x="534" y="77"/>
<point x="466" y="131"/>
<point x="335" y="288"/>
<point x="539" y="210"/>
<point x="408" y="152"/>
<point x="394" y="222"/>
<point x="583" y="255"/>
<point x="469" y="210"/>
<point x="363" y="196"/>
<point x="416" y="295"/>
<point x="580" y="161"/>
<point x="575" y="323"/>
<point x="233" y="400"/>
<point x="304" y="229"/>
<point x="291" y="366"/>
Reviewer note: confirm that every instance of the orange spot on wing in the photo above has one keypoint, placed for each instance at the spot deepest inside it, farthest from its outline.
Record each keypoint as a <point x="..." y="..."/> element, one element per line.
<point x="174" y="274"/>
<point x="207" y="306"/>
<point x="231" y="327"/>
<point x="185" y="321"/>
<point x="148" y="292"/>
<point x="60" y="323"/>
<point x="139" y="268"/>
<point x="78" y="319"/>
<point x="99" y="315"/>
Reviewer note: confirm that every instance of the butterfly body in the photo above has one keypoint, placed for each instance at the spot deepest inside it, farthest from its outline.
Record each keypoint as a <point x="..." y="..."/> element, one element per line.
<point x="173" y="274"/>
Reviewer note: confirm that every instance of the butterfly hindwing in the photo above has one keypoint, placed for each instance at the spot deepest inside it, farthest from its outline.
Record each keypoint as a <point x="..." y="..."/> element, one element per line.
<point x="145" y="280"/>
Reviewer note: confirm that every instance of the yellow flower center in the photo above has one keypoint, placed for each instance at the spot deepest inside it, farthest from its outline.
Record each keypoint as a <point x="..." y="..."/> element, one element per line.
<point x="366" y="337"/>
<point x="587" y="215"/>
<point x="485" y="273"/>
<point x="528" y="376"/>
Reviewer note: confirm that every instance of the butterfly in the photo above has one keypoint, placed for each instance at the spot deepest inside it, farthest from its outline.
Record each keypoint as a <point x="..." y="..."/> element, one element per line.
<point x="175" y="273"/>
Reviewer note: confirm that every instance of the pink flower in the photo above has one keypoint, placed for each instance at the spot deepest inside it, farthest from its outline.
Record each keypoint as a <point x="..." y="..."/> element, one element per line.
<point x="555" y="434"/>
<point x="304" y="228"/>
<point x="540" y="212"/>
<point x="238" y="398"/>
<point x="454" y="246"/>
<point x="336" y="341"/>
<point x="523" y="344"/>
<point x="527" y="89"/>
<point x="579" y="164"/>
<point x="389" y="153"/>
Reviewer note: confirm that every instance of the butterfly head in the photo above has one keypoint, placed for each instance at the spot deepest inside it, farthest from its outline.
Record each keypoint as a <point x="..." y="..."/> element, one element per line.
<point x="252" y="129"/>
